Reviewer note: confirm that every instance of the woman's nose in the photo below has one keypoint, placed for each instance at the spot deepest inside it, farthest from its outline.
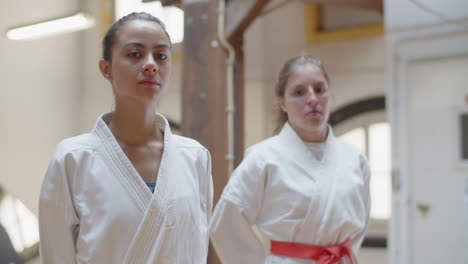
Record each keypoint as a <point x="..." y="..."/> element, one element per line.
<point x="150" y="65"/>
<point x="312" y="97"/>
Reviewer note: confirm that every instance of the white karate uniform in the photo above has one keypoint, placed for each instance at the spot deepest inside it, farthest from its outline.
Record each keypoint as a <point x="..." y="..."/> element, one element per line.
<point x="291" y="193"/>
<point x="95" y="208"/>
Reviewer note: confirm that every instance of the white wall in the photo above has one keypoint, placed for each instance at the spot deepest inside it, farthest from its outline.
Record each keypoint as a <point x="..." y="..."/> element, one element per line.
<point x="40" y="95"/>
<point x="97" y="91"/>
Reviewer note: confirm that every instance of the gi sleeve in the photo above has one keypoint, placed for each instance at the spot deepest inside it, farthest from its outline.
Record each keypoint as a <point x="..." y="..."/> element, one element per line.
<point x="231" y="225"/>
<point x="365" y="170"/>
<point x="206" y="190"/>
<point x="209" y="188"/>
<point x="58" y="220"/>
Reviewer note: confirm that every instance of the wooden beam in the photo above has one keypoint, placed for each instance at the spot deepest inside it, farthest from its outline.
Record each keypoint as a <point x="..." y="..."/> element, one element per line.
<point x="376" y="5"/>
<point x="240" y="14"/>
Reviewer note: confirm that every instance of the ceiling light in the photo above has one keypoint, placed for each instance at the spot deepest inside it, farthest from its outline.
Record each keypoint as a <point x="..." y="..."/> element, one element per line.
<point x="73" y="23"/>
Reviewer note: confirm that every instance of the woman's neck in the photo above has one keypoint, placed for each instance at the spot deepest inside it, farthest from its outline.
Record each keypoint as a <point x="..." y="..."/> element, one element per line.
<point x="135" y="125"/>
<point x="317" y="135"/>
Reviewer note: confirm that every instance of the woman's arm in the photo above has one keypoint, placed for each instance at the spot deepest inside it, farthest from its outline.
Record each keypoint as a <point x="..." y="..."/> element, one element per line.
<point x="58" y="221"/>
<point x="236" y="212"/>
<point x="206" y="196"/>
<point x="365" y="170"/>
<point x="232" y="235"/>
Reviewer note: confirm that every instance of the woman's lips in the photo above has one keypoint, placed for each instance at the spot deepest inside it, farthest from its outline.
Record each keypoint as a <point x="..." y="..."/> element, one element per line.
<point x="149" y="82"/>
<point x="314" y="113"/>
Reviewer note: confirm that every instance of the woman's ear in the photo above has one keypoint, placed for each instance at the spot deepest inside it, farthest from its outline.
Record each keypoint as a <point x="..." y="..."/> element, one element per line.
<point x="281" y="104"/>
<point x="105" y="68"/>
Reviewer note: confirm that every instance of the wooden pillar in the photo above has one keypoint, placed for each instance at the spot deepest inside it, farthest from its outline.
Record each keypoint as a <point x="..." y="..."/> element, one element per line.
<point x="204" y="81"/>
<point x="204" y="89"/>
<point x="204" y="85"/>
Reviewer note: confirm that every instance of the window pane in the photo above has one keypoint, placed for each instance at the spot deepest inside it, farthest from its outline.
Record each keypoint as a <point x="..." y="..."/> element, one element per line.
<point x="379" y="158"/>
<point x="356" y="137"/>
<point x="28" y="224"/>
<point x="379" y="146"/>
<point x="9" y="221"/>
<point x="380" y="186"/>
<point x="20" y="224"/>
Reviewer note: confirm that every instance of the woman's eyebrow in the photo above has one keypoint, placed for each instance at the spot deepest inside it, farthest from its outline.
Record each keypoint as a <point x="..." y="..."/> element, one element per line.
<point x="159" y="46"/>
<point x="134" y="44"/>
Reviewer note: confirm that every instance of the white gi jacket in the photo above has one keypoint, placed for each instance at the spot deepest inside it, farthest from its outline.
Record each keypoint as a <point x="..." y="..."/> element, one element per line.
<point x="95" y="208"/>
<point x="290" y="195"/>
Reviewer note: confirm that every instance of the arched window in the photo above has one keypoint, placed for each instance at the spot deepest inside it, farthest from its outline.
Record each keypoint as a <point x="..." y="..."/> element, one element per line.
<point x="364" y="124"/>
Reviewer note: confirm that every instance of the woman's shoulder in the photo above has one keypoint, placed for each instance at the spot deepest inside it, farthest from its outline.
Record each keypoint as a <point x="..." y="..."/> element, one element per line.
<point x="83" y="142"/>
<point x="191" y="148"/>
<point x="188" y="143"/>
<point x="264" y="147"/>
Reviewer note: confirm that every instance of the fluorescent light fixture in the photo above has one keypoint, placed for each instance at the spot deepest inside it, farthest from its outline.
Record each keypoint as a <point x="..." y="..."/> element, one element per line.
<point x="171" y="16"/>
<point x="73" y="23"/>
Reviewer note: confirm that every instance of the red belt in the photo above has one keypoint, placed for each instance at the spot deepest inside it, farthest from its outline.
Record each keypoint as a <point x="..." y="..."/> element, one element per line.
<point x="323" y="255"/>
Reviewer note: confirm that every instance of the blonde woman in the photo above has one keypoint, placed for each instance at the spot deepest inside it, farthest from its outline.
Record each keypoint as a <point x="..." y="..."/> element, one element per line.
<point x="305" y="191"/>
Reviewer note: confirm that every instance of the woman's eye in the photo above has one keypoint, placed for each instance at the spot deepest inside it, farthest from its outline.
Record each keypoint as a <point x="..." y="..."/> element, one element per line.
<point x="161" y="56"/>
<point x="321" y="89"/>
<point x="134" y="54"/>
<point x="298" y="92"/>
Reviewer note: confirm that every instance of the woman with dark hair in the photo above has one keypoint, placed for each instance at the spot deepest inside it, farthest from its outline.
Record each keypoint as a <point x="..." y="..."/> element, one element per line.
<point x="129" y="191"/>
<point x="305" y="191"/>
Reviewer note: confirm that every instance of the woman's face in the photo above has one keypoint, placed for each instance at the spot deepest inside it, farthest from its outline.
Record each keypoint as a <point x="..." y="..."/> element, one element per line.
<point x="140" y="62"/>
<point x="305" y="101"/>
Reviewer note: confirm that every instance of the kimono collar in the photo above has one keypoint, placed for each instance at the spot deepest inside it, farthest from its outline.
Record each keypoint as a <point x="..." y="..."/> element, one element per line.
<point x="291" y="139"/>
<point x="291" y="133"/>
<point x="116" y="156"/>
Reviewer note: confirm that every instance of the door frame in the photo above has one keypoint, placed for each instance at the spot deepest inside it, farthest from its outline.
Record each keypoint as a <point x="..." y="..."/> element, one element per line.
<point x="403" y="48"/>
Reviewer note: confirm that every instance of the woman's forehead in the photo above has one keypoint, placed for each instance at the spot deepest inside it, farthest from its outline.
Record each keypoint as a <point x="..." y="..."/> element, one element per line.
<point x="141" y="29"/>
<point x="307" y="72"/>
<point x="306" y="67"/>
